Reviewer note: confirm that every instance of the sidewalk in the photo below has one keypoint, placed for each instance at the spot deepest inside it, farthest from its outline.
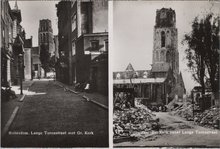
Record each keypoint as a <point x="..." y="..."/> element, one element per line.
<point x="94" y="97"/>
<point x="11" y="107"/>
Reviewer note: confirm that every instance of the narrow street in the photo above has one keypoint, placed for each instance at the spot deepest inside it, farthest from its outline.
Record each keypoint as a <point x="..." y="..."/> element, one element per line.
<point x="52" y="117"/>
<point x="178" y="132"/>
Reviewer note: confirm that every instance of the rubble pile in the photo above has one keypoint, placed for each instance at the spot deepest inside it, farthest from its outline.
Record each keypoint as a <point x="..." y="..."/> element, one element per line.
<point x="185" y="110"/>
<point x="209" y="118"/>
<point x="129" y="121"/>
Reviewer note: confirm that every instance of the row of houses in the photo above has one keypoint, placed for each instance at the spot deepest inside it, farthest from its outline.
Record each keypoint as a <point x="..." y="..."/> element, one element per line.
<point x="83" y="43"/>
<point x="19" y="59"/>
<point x="15" y="47"/>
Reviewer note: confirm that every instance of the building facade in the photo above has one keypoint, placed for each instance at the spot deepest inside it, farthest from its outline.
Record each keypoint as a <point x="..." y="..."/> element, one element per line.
<point x="36" y="64"/>
<point x="12" y="44"/>
<point x="6" y="42"/>
<point x="28" y="59"/>
<point x="164" y="81"/>
<point x="83" y="36"/>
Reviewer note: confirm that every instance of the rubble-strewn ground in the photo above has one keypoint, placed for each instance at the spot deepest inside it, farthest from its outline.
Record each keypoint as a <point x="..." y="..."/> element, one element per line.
<point x="209" y="118"/>
<point x="176" y="131"/>
<point x="132" y="122"/>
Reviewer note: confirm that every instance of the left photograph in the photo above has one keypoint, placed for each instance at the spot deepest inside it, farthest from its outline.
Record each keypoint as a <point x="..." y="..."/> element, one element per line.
<point x="54" y="73"/>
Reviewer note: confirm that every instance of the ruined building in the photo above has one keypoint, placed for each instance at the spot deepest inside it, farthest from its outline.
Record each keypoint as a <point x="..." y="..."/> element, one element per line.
<point x="164" y="79"/>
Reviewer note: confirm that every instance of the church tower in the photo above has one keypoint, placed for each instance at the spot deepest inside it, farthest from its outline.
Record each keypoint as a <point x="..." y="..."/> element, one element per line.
<point x="165" y="50"/>
<point x="45" y="35"/>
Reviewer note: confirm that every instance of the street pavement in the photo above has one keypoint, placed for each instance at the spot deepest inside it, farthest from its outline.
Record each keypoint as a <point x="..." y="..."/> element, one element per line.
<point x="96" y="97"/>
<point x="52" y="117"/>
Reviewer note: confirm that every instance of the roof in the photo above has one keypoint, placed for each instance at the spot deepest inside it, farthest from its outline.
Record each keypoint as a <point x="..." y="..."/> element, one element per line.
<point x="139" y="80"/>
<point x="129" y="67"/>
<point x="160" y="67"/>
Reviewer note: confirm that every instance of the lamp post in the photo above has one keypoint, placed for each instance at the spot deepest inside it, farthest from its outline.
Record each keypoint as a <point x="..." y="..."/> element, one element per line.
<point x="21" y="69"/>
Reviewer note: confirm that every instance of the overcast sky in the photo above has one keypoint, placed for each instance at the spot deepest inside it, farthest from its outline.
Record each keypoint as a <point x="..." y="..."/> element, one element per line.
<point x="32" y="12"/>
<point x="133" y="25"/>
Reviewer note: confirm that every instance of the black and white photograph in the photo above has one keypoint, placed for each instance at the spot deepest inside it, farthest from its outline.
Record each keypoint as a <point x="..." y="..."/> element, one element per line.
<point x="54" y="73"/>
<point x="165" y="62"/>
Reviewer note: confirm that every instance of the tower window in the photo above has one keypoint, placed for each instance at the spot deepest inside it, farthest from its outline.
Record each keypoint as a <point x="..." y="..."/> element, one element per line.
<point x="168" y="57"/>
<point x="162" y="39"/>
<point x="157" y="56"/>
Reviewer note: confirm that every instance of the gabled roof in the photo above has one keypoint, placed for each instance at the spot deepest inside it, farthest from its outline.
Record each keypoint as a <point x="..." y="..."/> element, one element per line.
<point x="129" y="67"/>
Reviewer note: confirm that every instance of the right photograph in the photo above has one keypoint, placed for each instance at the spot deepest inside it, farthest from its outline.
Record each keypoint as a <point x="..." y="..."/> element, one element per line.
<point x="165" y="60"/>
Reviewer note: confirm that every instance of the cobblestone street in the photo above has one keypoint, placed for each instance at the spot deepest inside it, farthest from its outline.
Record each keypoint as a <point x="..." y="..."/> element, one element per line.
<point x="52" y="117"/>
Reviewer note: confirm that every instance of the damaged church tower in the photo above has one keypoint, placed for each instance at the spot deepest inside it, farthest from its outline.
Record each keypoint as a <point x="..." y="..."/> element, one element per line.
<point x="163" y="83"/>
<point x="165" y="50"/>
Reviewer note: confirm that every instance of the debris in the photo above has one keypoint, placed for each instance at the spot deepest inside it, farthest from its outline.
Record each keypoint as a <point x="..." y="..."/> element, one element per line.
<point x="129" y="121"/>
<point x="209" y="118"/>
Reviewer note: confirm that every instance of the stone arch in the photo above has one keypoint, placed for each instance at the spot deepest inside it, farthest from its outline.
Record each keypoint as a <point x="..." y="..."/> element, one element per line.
<point x="168" y="57"/>
<point x="162" y="55"/>
<point x="157" y="55"/>
<point x="163" y="39"/>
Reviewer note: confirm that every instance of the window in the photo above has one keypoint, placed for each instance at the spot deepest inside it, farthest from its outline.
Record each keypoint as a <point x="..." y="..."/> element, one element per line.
<point x="118" y="76"/>
<point x="95" y="45"/>
<point x="168" y="57"/>
<point x="73" y="20"/>
<point x="46" y="37"/>
<point x="73" y="48"/>
<point x="36" y="67"/>
<point x="145" y="74"/>
<point x="162" y="39"/>
<point x="157" y="55"/>
<point x="162" y="55"/>
<point x="163" y="15"/>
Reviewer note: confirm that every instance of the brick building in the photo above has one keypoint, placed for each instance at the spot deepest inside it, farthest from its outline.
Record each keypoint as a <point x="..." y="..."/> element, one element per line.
<point x="164" y="79"/>
<point x="83" y="36"/>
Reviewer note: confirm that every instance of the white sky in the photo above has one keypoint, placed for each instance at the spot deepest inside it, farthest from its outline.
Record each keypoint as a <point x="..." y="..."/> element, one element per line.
<point x="32" y="12"/>
<point x="133" y="25"/>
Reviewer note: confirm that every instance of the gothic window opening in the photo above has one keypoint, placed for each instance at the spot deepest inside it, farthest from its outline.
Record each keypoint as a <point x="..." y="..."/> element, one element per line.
<point x="44" y="38"/>
<point x="162" y="56"/>
<point x="162" y="39"/>
<point x="157" y="56"/>
<point x="168" y="57"/>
